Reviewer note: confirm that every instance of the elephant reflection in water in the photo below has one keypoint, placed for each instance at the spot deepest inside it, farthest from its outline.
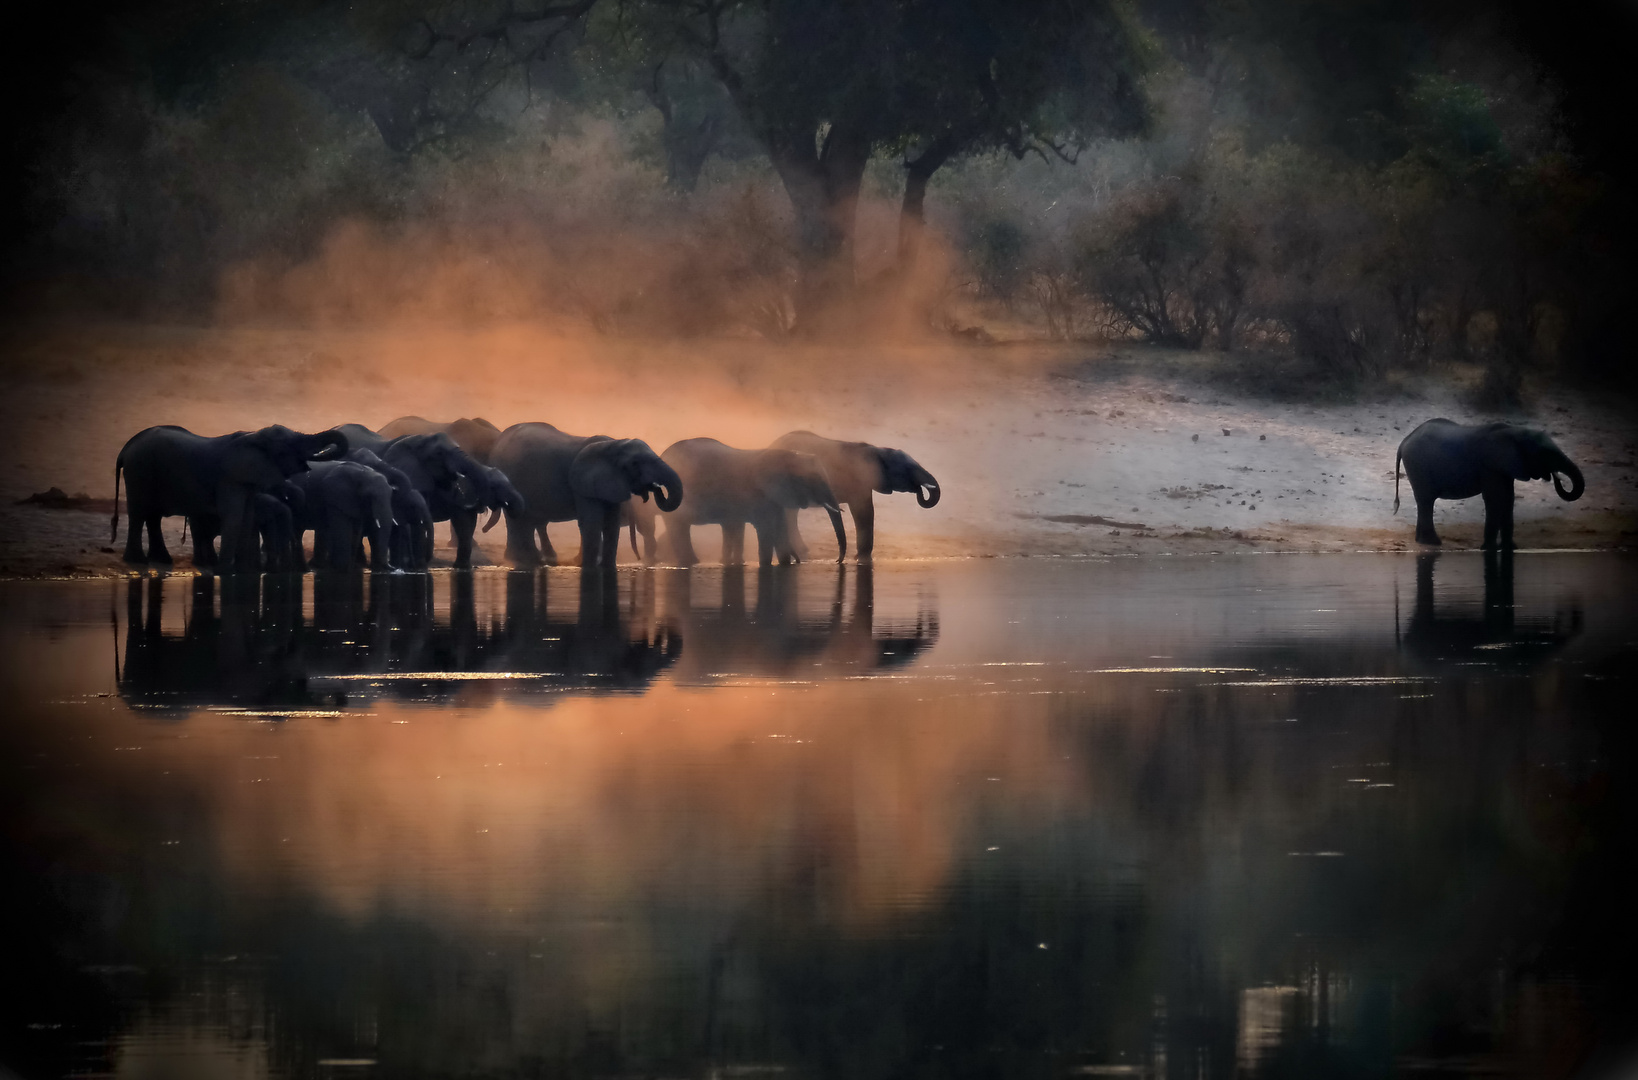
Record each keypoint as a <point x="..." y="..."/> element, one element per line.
<point x="246" y="643"/>
<point x="602" y="647"/>
<point x="776" y="637"/>
<point x="1496" y="632"/>
<point x="247" y="655"/>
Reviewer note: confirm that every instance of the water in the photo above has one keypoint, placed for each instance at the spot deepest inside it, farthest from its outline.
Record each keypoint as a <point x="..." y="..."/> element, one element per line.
<point x="1205" y="817"/>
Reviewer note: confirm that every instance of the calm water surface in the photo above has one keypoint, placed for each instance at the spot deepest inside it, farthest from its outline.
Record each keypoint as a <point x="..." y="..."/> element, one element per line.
<point x="1258" y="816"/>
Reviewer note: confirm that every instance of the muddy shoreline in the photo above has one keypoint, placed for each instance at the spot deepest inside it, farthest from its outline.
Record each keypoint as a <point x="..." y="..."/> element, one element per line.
<point x="1042" y="450"/>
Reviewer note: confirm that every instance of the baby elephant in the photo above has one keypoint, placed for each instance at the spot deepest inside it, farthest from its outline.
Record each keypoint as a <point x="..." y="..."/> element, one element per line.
<point x="344" y="503"/>
<point x="727" y="486"/>
<point x="1447" y="460"/>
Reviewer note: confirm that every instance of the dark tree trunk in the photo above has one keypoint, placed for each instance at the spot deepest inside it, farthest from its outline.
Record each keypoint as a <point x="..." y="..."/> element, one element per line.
<point x="912" y="212"/>
<point x="822" y="179"/>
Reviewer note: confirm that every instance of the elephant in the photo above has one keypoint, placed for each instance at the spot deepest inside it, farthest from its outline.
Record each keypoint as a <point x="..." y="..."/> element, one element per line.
<point x="445" y="475"/>
<point x="275" y="523"/>
<point x="171" y="471"/>
<point x="345" y="503"/>
<point x="855" y="470"/>
<point x="476" y="436"/>
<point x="1447" y="460"/>
<point x="728" y="486"/>
<point x="585" y="479"/>
<point x="412" y="521"/>
<point x="267" y="546"/>
<point x="493" y="492"/>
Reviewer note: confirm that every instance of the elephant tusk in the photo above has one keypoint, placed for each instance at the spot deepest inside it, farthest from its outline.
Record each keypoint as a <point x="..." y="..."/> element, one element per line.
<point x="832" y="508"/>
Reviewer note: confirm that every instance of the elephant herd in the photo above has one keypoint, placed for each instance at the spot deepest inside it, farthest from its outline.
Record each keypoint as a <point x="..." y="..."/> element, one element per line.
<point x="263" y="491"/>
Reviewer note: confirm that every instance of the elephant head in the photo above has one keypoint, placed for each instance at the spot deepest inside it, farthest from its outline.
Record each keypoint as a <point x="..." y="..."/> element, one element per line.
<point x="264" y="458"/>
<point x="901" y="472"/>
<point x="1528" y="454"/>
<point x="614" y="470"/>
<point x="435" y="464"/>
<point x="500" y="496"/>
<point x="794" y="481"/>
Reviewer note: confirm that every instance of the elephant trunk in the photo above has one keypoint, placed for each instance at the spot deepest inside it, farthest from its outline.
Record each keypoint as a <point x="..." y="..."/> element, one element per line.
<point x="1577" y="483"/>
<point x="332" y="445"/>
<point x="926" y="483"/>
<point x="494" y="516"/>
<point x="668" y="490"/>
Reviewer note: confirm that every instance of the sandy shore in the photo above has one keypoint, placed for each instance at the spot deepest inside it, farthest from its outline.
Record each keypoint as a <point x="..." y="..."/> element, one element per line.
<point x="1041" y="450"/>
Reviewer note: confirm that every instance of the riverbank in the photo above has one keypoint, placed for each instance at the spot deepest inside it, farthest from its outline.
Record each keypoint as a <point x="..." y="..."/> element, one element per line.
<point x="1041" y="449"/>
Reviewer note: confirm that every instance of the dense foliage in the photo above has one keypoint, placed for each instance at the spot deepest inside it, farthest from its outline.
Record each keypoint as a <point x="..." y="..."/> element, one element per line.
<point x="1366" y="185"/>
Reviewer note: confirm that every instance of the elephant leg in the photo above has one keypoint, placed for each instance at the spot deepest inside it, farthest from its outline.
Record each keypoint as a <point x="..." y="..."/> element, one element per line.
<point x="156" y="541"/>
<point x="135" y="521"/>
<point x="463" y="523"/>
<point x="204" y="540"/>
<point x="767" y="545"/>
<point x="381" y="547"/>
<point x="520" y="543"/>
<point x="1424" y="523"/>
<point x="1498" y="516"/>
<point x="679" y="538"/>
<point x="733" y="543"/>
<point x="610" y="554"/>
<point x="548" y="553"/>
<point x="864" y="528"/>
<point x="793" y="537"/>
<point x="591" y="536"/>
<point x="235" y="502"/>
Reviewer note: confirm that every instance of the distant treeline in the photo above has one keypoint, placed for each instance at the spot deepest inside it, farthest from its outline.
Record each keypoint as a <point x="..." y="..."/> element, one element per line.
<point x="1366" y="184"/>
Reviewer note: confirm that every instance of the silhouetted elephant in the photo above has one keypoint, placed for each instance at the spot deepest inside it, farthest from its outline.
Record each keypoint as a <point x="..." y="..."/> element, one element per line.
<point x="732" y="487"/>
<point x="493" y="492"/>
<point x="1447" y="460"/>
<point x="345" y="504"/>
<point x="476" y="436"/>
<point x="170" y="471"/>
<point x="855" y="471"/>
<point x="447" y="477"/>
<point x="585" y="479"/>
<point x="411" y="520"/>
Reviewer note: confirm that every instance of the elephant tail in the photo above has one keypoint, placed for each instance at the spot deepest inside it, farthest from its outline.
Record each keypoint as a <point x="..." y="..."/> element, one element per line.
<point x="113" y="525"/>
<point x="1396" y="460"/>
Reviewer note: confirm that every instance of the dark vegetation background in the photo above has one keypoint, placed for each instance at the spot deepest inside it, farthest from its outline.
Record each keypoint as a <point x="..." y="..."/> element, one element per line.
<point x="1351" y="188"/>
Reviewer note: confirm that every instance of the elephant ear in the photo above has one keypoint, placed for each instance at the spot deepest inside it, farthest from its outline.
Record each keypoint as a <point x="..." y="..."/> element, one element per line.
<point x="596" y="474"/>
<point x="779" y="478"/>
<point x="248" y="462"/>
<point x="1503" y="453"/>
<point x="898" y="471"/>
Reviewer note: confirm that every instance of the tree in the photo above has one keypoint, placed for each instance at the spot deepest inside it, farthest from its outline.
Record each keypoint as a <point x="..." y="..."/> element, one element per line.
<point x="824" y="84"/>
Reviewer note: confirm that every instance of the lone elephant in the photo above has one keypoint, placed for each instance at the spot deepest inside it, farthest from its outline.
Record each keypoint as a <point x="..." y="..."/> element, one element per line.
<point x="585" y="479"/>
<point x="856" y="470"/>
<point x="1447" y="460"/>
<point x="731" y="487"/>
<point x="171" y="471"/>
